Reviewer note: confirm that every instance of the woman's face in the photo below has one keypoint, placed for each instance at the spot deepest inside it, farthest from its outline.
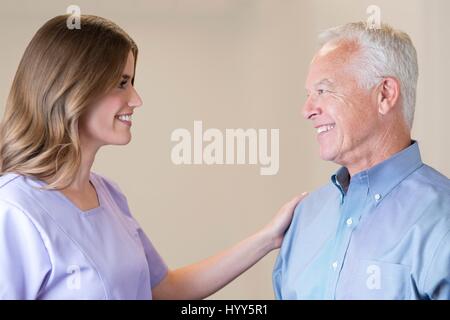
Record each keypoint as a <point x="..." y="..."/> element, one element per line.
<point x="109" y="120"/>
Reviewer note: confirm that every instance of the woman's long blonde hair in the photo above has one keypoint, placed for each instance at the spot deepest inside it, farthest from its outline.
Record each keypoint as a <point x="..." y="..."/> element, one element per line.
<point x="62" y="72"/>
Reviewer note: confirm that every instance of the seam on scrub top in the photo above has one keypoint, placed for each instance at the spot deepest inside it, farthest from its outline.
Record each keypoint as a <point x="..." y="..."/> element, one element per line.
<point x="10" y="179"/>
<point x="122" y="216"/>
<point x="40" y="236"/>
<point x="76" y="244"/>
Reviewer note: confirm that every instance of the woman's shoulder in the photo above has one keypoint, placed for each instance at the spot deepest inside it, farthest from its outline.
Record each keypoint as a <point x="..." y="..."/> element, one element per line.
<point x="16" y="189"/>
<point x="107" y="183"/>
<point x="8" y="178"/>
<point x="112" y="189"/>
<point x="20" y="196"/>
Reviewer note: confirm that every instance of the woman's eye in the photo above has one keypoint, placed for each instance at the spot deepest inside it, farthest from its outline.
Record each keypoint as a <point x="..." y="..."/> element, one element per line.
<point x="122" y="84"/>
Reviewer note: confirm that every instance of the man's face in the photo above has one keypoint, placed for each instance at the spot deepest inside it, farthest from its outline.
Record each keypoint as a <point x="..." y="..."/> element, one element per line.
<point x="344" y="115"/>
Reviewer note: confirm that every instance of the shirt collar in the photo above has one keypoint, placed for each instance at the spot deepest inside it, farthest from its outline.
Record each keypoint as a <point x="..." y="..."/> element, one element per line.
<point x="383" y="177"/>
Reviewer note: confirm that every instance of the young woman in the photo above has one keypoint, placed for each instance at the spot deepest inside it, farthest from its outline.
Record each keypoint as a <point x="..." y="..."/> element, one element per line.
<point x="66" y="232"/>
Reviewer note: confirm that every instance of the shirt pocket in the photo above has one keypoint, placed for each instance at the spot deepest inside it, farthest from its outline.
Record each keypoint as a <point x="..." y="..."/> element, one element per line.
<point x="382" y="281"/>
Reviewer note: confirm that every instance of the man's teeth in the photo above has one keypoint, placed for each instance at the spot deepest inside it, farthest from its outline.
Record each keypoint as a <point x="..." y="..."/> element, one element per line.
<point x="125" y="117"/>
<point x="325" y="128"/>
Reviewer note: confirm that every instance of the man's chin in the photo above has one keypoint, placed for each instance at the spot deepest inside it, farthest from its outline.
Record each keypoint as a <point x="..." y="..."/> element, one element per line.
<point x="326" y="155"/>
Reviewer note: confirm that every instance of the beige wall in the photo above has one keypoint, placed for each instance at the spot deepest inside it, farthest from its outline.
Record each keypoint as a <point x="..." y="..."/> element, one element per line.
<point x="231" y="64"/>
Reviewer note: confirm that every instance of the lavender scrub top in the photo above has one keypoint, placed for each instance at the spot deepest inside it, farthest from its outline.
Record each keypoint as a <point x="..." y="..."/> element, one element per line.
<point x="50" y="249"/>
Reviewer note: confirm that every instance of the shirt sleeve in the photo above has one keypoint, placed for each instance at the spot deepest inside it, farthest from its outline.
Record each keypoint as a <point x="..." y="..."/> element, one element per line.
<point x="276" y="277"/>
<point x="24" y="261"/>
<point x="437" y="281"/>
<point x="157" y="266"/>
<point x="279" y="268"/>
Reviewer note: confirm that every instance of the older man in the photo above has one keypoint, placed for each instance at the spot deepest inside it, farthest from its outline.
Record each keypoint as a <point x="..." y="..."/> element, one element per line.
<point x="381" y="228"/>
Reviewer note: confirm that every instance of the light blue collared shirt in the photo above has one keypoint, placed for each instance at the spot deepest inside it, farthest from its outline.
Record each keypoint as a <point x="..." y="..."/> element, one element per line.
<point x="383" y="234"/>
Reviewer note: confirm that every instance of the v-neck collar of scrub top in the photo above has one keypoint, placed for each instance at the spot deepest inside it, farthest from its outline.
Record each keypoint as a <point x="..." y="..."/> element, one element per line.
<point x="65" y="199"/>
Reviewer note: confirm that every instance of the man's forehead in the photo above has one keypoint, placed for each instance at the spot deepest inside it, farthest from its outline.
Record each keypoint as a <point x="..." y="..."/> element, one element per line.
<point x="328" y="48"/>
<point x="336" y="53"/>
<point x="330" y="61"/>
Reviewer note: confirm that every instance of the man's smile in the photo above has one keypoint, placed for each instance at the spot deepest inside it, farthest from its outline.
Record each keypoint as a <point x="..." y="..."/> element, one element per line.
<point x="325" y="128"/>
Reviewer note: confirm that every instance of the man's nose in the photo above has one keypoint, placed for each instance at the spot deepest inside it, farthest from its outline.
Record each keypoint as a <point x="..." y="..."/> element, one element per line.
<point x="310" y="108"/>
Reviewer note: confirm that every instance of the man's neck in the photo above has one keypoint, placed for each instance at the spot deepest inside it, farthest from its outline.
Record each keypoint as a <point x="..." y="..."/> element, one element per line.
<point x="379" y="153"/>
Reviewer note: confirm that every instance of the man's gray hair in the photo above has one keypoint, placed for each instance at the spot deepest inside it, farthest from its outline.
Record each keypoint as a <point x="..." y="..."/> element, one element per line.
<point x="382" y="52"/>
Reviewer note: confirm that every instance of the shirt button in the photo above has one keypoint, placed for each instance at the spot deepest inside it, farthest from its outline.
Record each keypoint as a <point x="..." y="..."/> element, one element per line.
<point x="349" y="221"/>
<point x="335" y="264"/>
<point x="377" y="196"/>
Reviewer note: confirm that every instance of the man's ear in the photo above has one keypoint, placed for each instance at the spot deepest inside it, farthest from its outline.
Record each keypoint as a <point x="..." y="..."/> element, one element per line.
<point x="388" y="94"/>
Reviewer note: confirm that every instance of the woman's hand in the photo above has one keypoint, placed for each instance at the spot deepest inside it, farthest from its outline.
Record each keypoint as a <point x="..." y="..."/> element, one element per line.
<point x="277" y="227"/>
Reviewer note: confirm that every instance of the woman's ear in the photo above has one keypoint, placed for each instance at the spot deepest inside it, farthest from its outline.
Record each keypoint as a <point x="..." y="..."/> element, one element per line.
<point x="388" y="94"/>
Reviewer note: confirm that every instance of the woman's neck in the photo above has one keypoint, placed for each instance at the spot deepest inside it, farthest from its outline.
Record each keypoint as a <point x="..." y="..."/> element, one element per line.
<point x="82" y="179"/>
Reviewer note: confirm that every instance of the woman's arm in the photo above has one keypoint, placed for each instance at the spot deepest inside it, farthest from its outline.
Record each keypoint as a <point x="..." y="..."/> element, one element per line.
<point x="201" y="279"/>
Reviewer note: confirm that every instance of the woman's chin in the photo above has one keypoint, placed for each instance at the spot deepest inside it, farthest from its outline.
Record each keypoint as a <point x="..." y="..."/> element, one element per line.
<point x="124" y="140"/>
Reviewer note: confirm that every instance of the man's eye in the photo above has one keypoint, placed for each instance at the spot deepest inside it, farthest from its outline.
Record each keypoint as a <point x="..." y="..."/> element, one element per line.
<point x="320" y="91"/>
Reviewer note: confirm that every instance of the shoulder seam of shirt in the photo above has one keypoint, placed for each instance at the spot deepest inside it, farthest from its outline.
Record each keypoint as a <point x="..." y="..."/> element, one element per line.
<point x="430" y="181"/>
<point x="9" y="180"/>
<point x="38" y="232"/>
<point x="105" y="182"/>
<point x="405" y="177"/>
<point x="435" y="253"/>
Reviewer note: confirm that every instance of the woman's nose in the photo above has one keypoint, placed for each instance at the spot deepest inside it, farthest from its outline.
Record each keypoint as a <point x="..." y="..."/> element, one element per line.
<point x="135" y="100"/>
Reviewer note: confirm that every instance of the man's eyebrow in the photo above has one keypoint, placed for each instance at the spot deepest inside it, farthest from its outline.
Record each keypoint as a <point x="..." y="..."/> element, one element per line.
<point x="326" y="82"/>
